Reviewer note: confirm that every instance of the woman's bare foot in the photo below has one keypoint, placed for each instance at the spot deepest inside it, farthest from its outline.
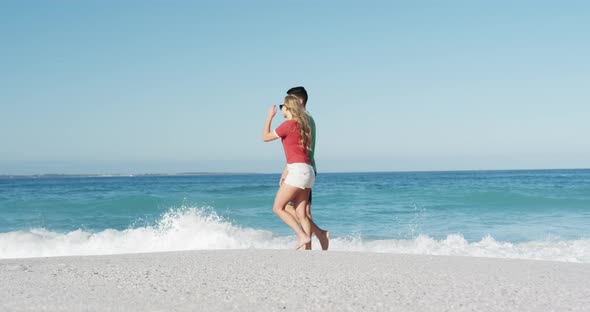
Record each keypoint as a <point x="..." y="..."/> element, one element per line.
<point x="324" y="240"/>
<point x="302" y="242"/>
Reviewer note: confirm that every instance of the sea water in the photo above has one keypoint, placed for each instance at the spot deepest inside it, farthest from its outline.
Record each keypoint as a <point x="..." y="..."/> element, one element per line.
<point x="538" y="214"/>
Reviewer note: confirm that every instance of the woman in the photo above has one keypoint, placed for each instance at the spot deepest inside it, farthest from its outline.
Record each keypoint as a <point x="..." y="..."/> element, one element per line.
<point x="295" y="134"/>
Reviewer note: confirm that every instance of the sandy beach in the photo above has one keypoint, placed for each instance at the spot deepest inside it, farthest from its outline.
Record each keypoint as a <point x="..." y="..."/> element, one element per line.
<point x="271" y="280"/>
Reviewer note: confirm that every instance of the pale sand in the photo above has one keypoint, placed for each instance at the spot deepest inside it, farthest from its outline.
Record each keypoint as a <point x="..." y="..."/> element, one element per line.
<point x="271" y="280"/>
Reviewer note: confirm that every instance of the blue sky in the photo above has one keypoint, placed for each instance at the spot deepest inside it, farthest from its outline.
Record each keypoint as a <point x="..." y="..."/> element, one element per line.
<point x="178" y="86"/>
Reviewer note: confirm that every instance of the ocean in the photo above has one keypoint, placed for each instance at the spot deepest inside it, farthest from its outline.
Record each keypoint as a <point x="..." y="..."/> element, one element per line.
<point x="521" y="214"/>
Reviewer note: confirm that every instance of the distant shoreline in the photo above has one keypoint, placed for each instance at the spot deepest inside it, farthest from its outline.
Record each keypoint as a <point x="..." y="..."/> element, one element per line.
<point x="189" y="174"/>
<point x="120" y="175"/>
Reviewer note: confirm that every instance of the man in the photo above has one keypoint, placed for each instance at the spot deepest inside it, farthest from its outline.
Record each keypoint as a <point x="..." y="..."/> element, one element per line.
<point x="322" y="235"/>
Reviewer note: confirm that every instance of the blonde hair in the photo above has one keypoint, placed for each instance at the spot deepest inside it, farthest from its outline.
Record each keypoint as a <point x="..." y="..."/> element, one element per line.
<point x="298" y="113"/>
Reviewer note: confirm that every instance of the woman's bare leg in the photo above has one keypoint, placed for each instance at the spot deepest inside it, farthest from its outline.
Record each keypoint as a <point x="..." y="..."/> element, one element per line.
<point x="291" y="210"/>
<point x="301" y="201"/>
<point x="284" y="195"/>
<point x="322" y="235"/>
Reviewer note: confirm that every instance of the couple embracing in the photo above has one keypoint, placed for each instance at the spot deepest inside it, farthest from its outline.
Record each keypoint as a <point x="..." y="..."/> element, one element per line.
<point x="293" y="200"/>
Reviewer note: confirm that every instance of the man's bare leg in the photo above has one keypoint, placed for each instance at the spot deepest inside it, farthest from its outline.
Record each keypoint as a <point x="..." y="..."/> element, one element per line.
<point x="322" y="235"/>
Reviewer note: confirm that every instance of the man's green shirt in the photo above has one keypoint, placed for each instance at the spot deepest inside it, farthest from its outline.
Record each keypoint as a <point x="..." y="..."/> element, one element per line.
<point x="312" y="145"/>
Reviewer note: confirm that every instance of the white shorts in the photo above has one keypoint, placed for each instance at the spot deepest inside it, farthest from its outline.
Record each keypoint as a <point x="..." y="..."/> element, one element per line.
<point x="300" y="175"/>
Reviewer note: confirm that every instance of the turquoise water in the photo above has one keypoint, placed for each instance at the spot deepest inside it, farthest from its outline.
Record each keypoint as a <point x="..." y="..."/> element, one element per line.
<point x="542" y="214"/>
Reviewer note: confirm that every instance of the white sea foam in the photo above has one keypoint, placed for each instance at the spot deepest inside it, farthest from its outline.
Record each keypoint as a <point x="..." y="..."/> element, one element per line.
<point x="456" y="245"/>
<point x="194" y="229"/>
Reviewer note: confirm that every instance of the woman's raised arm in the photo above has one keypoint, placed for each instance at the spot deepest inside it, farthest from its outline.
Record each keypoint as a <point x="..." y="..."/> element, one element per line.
<point x="268" y="135"/>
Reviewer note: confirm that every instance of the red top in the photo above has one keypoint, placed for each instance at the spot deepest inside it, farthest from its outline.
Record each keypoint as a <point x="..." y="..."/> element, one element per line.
<point x="288" y="131"/>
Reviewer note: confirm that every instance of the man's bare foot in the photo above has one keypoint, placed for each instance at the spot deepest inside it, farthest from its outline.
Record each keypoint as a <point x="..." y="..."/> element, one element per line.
<point x="324" y="239"/>
<point x="302" y="242"/>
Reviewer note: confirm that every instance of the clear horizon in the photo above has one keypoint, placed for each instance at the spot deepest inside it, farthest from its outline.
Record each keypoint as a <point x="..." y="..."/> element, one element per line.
<point x="188" y="173"/>
<point x="108" y="87"/>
